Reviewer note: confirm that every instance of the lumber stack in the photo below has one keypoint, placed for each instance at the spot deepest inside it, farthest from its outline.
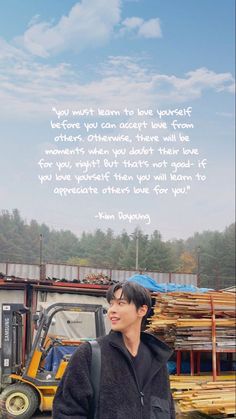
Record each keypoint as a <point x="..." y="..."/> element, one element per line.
<point x="186" y="320"/>
<point x="195" y="382"/>
<point x="210" y="398"/>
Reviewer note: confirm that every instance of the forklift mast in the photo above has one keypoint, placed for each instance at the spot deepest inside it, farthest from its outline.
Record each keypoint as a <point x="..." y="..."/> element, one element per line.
<point x="12" y="340"/>
<point x="12" y="354"/>
<point x="32" y="385"/>
<point x="44" y="322"/>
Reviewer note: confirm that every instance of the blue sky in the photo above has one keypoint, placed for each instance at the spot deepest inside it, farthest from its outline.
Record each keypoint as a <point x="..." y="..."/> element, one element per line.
<point x="150" y="53"/>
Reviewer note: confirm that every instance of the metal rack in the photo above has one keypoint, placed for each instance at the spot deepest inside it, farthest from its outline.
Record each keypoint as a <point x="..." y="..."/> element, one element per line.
<point x="214" y="351"/>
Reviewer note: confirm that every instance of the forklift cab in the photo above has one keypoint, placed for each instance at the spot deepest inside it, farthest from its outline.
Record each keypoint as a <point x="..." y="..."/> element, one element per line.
<point x="34" y="383"/>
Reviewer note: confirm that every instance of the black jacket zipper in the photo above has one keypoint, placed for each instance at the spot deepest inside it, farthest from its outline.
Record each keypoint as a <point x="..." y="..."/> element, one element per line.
<point x="141" y="394"/>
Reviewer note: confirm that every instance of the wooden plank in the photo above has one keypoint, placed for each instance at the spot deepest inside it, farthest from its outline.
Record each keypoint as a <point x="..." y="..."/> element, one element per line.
<point x="210" y="398"/>
<point x="181" y="318"/>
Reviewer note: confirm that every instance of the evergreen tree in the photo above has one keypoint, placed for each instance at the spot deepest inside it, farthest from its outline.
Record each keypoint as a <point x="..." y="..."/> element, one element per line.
<point x="211" y="253"/>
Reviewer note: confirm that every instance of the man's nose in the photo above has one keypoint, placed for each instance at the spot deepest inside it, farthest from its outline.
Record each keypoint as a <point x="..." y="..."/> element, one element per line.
<point x="112" y="309"/>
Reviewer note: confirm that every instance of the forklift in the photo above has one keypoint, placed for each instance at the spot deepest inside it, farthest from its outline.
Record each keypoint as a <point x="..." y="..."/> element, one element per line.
<point x="28" y="386"/>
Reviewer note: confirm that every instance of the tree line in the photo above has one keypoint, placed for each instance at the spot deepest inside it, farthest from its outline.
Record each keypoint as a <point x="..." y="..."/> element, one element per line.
<point x="211" y="254"/>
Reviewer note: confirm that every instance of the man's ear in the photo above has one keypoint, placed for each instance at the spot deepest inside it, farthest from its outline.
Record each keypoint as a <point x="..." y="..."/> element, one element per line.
<point x="142" y="311"/>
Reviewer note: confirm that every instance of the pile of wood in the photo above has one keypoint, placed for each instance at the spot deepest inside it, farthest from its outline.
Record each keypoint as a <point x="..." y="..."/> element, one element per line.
<point x="195" y="382"/>
<point x="210" y="397"/>
<point x="185" y="320"/>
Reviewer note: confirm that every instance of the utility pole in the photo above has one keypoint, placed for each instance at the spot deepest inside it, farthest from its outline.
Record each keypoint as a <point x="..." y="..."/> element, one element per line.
<point x="217" y="277"/>
<point x="136" y="253"/>
<point x="40" y="256"/>
<point x="198" y="267"/>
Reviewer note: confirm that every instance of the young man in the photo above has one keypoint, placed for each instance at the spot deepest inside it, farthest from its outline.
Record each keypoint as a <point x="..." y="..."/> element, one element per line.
<point x="134" y="379"/>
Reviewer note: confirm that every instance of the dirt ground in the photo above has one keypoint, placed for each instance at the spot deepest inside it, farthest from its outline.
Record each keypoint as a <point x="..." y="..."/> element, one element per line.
<point x="179" y="415"/>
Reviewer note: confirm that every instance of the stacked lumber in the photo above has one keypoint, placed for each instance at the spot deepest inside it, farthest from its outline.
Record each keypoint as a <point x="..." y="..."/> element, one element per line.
<point x="195" y="382"/>
<point x="185" y="320"/>
<point x="211" y="398"/>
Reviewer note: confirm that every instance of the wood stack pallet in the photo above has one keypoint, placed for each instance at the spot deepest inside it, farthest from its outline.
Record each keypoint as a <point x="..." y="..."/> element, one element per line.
<point x="184" y="320"/>
<point x="209" y="398"/>
<point x="189" y="382"/>
<point x="199" y="322"/>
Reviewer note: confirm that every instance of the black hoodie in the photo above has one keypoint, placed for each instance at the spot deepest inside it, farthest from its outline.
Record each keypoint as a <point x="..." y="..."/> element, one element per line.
<point x="120" y="396"/>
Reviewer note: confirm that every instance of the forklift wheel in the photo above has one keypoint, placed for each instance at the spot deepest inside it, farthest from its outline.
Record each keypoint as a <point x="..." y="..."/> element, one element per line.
<point x="18" y="401"/>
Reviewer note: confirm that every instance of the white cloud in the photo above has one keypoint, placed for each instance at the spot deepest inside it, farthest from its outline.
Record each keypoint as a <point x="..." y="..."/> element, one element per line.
<point x="28" y="87"/>
<point x="151" y="29"/>
<point x="132" y="22"/>
<point x="34" y="20"/>
<point x="148" y="29"/>
<point x="89" y="23"/>
<point x="192" y="85"/>
<point x="9" y="52"/>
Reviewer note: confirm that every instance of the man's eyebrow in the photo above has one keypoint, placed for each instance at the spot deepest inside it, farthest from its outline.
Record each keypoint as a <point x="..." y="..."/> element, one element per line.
<point x="121" y="298"/>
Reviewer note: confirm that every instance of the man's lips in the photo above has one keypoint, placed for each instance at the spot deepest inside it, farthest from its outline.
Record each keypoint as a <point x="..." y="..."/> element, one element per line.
<point x="114" y="319"/>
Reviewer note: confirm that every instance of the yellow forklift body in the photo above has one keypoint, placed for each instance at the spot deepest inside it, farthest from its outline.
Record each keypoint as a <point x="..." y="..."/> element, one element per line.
<point x="61" y="369"/>
<point x="46" y="393"/>
<point x="34" y="363"/>
<point x="34" y="387"/>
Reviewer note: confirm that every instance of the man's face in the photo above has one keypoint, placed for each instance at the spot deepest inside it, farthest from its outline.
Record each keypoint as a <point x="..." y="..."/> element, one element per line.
<point x="124" y="316"/>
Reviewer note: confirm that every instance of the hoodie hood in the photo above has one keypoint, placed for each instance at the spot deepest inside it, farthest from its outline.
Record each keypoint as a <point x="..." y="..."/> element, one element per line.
<point x="161" y="350"/>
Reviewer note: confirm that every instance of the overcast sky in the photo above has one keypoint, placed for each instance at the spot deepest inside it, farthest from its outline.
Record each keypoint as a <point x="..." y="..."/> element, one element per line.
<point x="151" y="54"/>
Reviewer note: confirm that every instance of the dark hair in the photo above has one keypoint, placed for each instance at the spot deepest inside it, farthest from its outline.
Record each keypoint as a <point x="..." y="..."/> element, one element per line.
<point x="133" y="293"/>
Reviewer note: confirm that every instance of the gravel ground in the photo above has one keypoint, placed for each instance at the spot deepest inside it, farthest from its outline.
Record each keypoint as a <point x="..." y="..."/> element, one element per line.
<point x="194" y="415"/>
<point x="40" y="415"/>
<point x="179" y="415"/>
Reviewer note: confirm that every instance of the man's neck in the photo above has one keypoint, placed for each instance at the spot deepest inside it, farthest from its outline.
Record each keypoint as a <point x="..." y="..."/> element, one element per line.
<point x="132" y="340"/>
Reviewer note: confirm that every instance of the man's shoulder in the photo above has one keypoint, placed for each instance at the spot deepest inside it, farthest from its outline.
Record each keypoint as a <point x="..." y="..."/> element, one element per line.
<point x="82" y="350"/>
<point x="108" y="341"/>
<point x="83" y="353"/>
<point x="156" y="344"/>
<point x="103" y="340"/>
